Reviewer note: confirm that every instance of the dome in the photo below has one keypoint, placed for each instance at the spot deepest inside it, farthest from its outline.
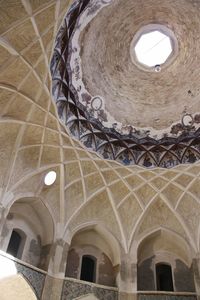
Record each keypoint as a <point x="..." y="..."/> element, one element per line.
<point x="112" y="99"/>
<point x="119" y="218"/>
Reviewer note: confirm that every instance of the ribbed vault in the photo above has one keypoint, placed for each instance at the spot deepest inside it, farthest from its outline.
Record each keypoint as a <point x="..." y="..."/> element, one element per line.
<point x="125" y="200"/>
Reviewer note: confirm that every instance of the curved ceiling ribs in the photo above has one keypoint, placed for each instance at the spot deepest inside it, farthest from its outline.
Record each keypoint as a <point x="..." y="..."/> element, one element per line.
<point x="128" y="194"/>
<point x="110" y="144"/>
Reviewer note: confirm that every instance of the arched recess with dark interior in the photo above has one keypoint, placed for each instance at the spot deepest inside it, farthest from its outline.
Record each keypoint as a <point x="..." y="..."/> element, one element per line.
<point x="88" y="268"/>
<point x="28" y="232"/>
<point x="92" y="257"/>
<point x="165" y="263"/>
<point x="16" y="243"/>
<point x="164" y="280"/>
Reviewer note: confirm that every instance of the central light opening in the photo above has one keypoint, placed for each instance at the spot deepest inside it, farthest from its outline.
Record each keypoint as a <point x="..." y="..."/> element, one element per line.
<point x="153" y="48"/>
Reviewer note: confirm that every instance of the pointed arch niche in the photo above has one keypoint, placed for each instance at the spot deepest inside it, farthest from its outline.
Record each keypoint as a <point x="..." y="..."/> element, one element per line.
<point x="92" y="250"/>
<point x="28" y="232"/>
<point x="164" y="256"/>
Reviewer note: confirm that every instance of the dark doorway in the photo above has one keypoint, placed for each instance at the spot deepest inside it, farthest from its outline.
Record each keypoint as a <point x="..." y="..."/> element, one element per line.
<point x="164" y="277"/>
<point x="14" y="244"/>
<point x="88" y="268"/>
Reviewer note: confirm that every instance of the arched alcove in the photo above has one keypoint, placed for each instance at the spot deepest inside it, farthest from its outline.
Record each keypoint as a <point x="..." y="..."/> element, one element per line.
<point x="90" y="248"/>
<point x="28" y="232"/>
<point x="164" y="256"/>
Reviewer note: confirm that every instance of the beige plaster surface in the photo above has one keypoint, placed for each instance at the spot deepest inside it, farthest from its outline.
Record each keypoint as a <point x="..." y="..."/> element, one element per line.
<point x="16" y="288"/>
<point x="52" y="289"/>
<point x="129" y="202"/>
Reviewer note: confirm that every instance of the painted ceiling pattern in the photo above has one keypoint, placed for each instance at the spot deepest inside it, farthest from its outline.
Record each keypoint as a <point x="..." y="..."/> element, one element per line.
<point x="88" y="120"/>
<point x="134" y="201"/>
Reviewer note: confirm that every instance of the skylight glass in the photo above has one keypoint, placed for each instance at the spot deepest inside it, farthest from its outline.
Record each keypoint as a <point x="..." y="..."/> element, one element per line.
<point x="50" y="178"/>
<point x="153" y="48"/>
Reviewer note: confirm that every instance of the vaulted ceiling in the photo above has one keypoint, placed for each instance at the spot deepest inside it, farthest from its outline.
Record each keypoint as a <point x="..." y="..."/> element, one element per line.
<point x="129" y="201"/>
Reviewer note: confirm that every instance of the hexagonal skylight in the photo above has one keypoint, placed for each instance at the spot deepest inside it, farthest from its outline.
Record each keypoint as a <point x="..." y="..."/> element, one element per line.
<point x="153" y="48"/>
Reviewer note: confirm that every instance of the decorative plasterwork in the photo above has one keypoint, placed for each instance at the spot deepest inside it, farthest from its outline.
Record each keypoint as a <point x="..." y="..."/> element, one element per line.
<point x="122" y="199"/>
<point x="87" y="119"/>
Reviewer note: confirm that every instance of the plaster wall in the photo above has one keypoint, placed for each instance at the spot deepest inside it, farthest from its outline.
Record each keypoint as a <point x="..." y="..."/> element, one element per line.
<point x="105" y="272"/>
<point x="32" y="246"/>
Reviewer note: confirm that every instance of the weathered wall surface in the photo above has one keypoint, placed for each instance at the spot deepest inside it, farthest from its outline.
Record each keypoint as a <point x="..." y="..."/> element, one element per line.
<point x="146" y="280"/>
<point x="183" y="277"/>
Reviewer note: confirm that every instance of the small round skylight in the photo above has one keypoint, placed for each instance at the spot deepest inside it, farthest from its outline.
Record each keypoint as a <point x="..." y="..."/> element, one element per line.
<point x="50" y="178"/>
<point x="153" y="47"/>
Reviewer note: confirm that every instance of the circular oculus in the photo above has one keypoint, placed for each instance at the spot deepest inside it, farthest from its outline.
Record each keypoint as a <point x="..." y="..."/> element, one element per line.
<point x="96" y="103"/>
<point x="187" y="120"/>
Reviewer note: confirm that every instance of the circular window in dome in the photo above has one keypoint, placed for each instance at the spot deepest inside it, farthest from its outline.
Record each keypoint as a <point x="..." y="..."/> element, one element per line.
<point x="50" y="178"/>
<point x="154" y="47"/>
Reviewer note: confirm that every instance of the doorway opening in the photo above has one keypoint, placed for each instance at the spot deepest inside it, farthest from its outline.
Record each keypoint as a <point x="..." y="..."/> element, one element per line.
<point x="16" y="243"/>
<point x="164" y="277"/>
<point x="88" y="268"/>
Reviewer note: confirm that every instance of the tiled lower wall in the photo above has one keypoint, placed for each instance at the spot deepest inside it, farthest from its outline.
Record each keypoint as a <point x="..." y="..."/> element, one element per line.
<point x="34" y="276"/>
<point x="72" y="290"/>
<point x="166" y="297"/>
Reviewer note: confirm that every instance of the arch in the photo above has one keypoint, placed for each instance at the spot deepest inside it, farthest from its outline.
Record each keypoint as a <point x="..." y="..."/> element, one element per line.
<point x="102" y="231"/>
<point x="29" y="197"/>
<point x="160" y="215"/>
<point x="164" y="248"/>
<point x="91" y="246"/>
<point x="170" y="237"/>
<point x="32" y="217"/>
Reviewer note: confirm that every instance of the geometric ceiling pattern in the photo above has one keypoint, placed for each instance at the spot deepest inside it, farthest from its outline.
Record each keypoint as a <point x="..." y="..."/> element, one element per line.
<point x="133" y="201"/>
<point x="132" y="148"/>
